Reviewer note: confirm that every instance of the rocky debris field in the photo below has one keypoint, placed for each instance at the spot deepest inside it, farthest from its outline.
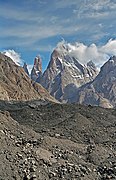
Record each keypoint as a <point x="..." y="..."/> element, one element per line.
<point x="54" y="141"/>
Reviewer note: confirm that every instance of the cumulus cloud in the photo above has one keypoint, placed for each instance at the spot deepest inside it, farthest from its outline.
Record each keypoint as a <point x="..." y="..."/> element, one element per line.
<point x="98" y="54"/>
<point x="16" y="57"/>
<point x="110" y="47"/>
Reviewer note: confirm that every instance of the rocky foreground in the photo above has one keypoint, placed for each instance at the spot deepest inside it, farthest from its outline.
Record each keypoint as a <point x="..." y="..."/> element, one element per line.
<point x="43" y="141"/>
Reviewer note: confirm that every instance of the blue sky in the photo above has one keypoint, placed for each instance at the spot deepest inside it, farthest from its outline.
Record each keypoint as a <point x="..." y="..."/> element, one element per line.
<point x="32" y="27"/>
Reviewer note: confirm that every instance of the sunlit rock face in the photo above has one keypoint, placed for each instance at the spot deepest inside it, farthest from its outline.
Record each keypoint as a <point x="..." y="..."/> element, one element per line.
<point x="65" y="74"/>
<point x="102" y="91"/>
<point x="15" y="84"/>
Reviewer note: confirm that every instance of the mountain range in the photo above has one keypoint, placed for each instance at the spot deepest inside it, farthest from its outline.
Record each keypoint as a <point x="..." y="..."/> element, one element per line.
<point x="65" y="79"/>
<point x="64" y="74"/>
<point x="70" y="81"/>
<point x="102" y="90"/>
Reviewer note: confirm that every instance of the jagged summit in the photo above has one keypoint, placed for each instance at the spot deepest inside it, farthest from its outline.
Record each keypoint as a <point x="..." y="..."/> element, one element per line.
<point x="102" y="91"/>
<point x="36" y="71"/>
<point x="109" y="65"/>
<point x="65" y="72"/>
<point x="69" y="80"/>
<point x="38" y="63"/>
<point x="62" y="47"/>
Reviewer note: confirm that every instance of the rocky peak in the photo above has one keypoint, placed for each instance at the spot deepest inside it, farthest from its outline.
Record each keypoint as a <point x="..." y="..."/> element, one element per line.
<point x="55" y="63"/>
<point x="55" y="54"/>
<point x="102" y="90"/>
<point x="36" y="71"/>
<point x="109" y="66"/>
<point x="65" y="71"/>
<point x="16" y="85"/>
<point x="25" y="68"/>
<point x="38" y="63"/>
<point x="3" y="57"/>
<point x="62" y="47"/>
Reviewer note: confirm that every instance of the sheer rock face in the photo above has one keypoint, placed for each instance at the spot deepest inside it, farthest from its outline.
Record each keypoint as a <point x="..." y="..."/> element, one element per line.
<point x="16" y="85"/>
<point x="37" y="69"/>
<point x="102" y="91"/>
<point x="64" y="74"/>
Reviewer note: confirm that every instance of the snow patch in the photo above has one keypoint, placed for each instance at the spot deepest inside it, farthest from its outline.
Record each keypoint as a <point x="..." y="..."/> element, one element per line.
<point x="60" y="59"/>
<point x="16" y="57"/>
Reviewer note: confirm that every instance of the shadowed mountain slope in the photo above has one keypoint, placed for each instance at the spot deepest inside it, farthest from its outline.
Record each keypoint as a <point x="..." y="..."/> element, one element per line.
<point x="16" y="85"/>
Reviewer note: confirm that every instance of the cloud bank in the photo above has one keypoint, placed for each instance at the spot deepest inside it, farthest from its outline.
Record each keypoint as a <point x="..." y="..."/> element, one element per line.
<point x="98" y="54"/>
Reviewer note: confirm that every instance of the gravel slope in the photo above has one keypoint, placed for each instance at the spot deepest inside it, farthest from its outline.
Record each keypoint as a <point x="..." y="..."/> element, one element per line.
<point x="54" y="141"/>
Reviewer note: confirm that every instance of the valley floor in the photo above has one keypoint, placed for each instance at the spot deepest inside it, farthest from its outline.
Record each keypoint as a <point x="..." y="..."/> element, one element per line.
<point x="46" y="141"/>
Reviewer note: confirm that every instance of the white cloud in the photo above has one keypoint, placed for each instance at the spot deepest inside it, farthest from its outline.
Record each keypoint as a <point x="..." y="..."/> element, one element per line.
<point x="110" y="47"/>
<point x="16" y="57"/>
<point x="98" y="54"/>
